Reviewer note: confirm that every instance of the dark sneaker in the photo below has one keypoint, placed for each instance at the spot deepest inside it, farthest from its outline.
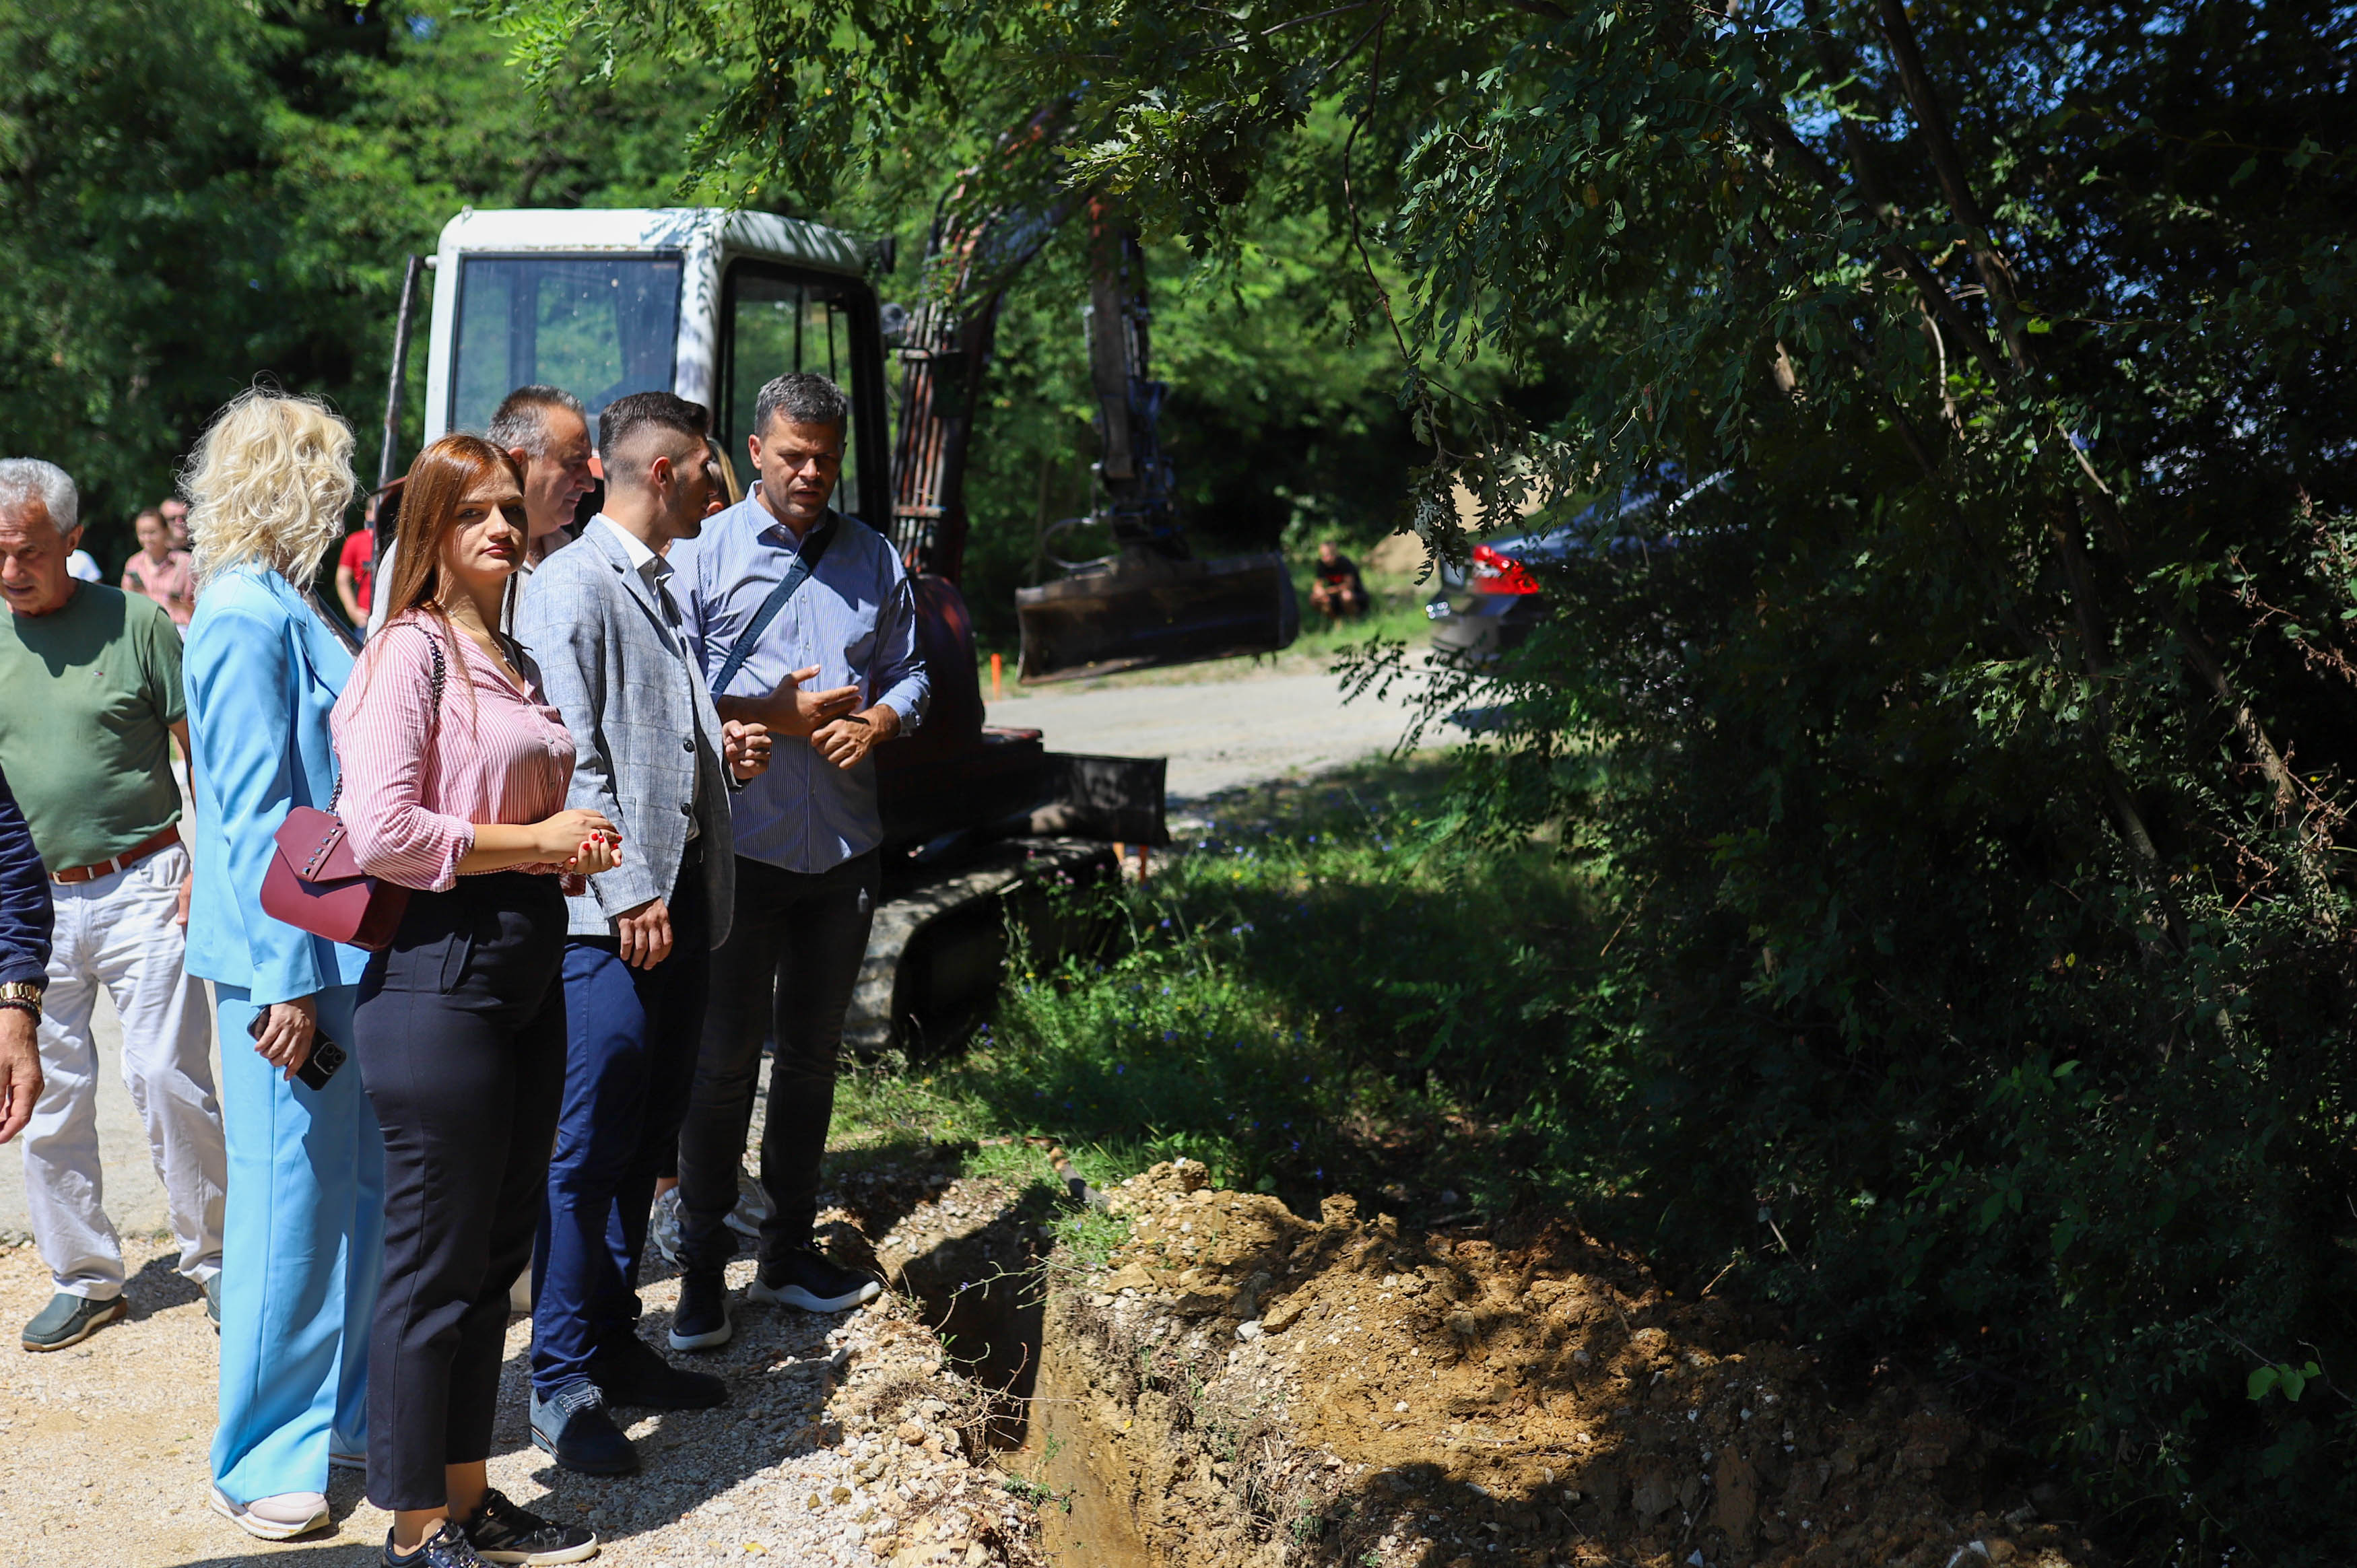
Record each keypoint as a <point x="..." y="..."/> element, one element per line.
<point x="212" y="1302"/>
<point x="631" y="1373"/>
<point x="70" y="1319"/>
<point x="701" y="1320"/>
<point x="502" y="1533"/>
<point x="573" y="1424"/>
<point x="802" y="1278"/>
<point x="445" y="1548"/>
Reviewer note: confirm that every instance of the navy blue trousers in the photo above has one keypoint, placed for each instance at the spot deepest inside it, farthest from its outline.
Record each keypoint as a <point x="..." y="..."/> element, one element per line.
<point x="629" y="1062"/>
<point x="459" y="1035"/>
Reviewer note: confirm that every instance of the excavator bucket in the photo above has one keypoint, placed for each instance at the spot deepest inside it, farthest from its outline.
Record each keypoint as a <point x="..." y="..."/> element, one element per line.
<point x="1144" y="611"/>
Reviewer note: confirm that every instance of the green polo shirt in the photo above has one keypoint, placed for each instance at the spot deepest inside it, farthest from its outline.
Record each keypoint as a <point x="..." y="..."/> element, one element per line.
<point x="88" y="696"/>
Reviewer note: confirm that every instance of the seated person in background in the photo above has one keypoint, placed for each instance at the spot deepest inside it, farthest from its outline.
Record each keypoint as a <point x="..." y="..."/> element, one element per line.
<point x="1337" y="592"/>
<point x="160" y="571"/>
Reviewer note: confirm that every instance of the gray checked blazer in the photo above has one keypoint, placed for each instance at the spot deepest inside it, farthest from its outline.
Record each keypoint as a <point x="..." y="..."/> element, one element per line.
<point x="642" y="724"/>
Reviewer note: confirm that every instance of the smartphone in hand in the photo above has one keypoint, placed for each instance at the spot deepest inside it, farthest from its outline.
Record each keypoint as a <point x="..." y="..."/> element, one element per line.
<point x="319" y="1066"/>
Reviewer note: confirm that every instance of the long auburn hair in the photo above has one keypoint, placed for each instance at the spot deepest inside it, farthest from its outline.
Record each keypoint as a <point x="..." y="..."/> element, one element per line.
<point x="430" y="498"/>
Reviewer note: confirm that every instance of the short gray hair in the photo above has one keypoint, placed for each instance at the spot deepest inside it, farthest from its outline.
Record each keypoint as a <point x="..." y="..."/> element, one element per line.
<point x="29" y="479"/>
<point x="522" y="418"/>
<point x="804" y="397"/>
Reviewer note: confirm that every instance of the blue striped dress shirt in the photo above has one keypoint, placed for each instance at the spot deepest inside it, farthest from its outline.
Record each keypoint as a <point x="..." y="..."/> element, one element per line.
<point x="856" y="620"/>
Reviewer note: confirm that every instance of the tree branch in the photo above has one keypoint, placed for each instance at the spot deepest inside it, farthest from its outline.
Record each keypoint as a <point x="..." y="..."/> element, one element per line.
<point x="1948" y="162"/>
<point x="1780" y="135"/>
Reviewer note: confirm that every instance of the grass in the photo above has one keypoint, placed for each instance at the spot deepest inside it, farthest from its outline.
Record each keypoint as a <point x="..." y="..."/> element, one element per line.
<point x="1329" y="993"/>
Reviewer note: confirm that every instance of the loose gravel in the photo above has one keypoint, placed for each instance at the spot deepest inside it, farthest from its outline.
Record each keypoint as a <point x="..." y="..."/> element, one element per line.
<point x="848" y="1441"/>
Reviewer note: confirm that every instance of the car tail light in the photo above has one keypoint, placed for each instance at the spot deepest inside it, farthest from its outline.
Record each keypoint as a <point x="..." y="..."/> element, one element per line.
<point x="1496" y="574"/>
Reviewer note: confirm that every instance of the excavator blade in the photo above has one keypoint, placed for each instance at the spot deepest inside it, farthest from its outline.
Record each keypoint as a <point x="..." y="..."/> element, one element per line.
<point x="1141" y="612"/>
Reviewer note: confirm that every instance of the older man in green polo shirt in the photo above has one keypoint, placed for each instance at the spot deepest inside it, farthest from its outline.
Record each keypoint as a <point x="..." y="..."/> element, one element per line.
<point x="92" y="678"/>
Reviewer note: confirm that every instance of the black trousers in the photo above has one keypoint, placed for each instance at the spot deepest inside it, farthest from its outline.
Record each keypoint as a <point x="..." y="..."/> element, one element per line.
<point x="789" y="966"/>
<point x="460" y="1038"/>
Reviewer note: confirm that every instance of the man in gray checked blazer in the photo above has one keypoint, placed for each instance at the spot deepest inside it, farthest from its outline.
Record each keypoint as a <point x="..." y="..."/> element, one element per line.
<point x="650" y="753"/>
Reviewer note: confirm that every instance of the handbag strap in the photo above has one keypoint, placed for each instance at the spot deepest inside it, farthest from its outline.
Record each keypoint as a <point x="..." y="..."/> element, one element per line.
<point x="435" y="716"/>
<point x="798" y="572"/>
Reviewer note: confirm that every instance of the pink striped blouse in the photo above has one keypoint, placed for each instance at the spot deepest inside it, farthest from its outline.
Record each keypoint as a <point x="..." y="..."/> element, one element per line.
<point x="414" y="788"/>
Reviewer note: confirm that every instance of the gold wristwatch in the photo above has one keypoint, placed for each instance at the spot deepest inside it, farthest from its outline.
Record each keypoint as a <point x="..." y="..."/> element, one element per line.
<point x="24" y="995"/>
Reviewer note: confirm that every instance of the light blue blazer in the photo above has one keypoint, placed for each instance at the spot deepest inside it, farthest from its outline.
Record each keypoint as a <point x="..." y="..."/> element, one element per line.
<point x="262" y="672"/>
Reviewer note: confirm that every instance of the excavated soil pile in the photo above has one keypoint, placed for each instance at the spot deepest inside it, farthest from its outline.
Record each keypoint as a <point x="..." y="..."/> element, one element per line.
<point x="1239" y="1385"/>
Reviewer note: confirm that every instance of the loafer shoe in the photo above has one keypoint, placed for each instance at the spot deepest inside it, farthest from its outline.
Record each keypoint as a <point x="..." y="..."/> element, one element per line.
<point x="573" y="1426"/>
<point x="70" y="1319"/>
<point x="280" y="1518"/>
<point x="448" y="1547"/>
<point x="630" y="1373"/>
<point x="804" y="1279"/>
<point x="499" y="1531"/>
<point x="701" y="1319"/>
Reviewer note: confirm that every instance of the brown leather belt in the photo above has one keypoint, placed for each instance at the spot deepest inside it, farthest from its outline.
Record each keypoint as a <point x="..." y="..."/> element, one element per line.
<point x="124" y="862"/>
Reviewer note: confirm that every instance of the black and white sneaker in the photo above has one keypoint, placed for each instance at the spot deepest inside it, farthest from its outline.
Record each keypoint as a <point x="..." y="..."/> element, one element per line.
<point x="502" y="1533"/>
<point x="448" y="1547"/>
<point x="701" y="1319"/>
<point x="804" y="1278"/>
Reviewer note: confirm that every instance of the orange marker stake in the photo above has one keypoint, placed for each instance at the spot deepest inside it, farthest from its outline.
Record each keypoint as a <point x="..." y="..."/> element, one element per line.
<point x="995" y="690"/>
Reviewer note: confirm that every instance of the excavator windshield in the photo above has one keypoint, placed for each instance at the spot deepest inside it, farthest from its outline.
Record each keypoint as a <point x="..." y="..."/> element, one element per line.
<point x="598" y="326"/>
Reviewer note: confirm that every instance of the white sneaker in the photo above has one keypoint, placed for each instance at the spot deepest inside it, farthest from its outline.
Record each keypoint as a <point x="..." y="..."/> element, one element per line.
<point x="662" y="1227"/>
<point x="752" y="1208"/>
<point x="280" y="1518"/>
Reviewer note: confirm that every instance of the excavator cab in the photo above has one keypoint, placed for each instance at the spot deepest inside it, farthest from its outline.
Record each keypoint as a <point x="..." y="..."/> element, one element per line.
<point x="702" y="303"/>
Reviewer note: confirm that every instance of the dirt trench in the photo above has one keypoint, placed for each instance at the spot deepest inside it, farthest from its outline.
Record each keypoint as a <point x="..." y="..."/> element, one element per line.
<point x="1236" y="1384"/>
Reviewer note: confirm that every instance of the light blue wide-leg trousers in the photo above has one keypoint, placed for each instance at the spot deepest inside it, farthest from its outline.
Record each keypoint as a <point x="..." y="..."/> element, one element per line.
<point x="302" y="1247"/>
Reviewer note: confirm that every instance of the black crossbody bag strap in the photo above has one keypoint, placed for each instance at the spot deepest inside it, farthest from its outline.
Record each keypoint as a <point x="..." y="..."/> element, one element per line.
<point x="798" y="572"/>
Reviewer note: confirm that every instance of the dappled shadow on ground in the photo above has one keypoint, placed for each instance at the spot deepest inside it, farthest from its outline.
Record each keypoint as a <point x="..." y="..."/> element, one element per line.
<point x="159" y="1286"/>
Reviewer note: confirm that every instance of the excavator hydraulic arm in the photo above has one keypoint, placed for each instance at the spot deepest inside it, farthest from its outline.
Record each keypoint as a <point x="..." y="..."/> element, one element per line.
<point x="1147" y="602"/>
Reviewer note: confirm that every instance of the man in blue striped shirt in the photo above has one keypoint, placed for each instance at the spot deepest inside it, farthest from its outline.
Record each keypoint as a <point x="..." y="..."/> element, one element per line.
<point x="833" y="670"/>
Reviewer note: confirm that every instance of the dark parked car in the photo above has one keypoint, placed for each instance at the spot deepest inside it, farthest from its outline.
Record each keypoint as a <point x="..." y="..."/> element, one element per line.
<point x="1490" y="607"/>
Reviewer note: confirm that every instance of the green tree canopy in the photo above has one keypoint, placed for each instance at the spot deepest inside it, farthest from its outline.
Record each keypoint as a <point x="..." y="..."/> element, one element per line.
<point x="1971" y="762"/>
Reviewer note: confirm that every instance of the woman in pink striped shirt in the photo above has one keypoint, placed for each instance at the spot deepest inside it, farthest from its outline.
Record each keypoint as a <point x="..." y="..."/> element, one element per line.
<point x="455" y="771"/>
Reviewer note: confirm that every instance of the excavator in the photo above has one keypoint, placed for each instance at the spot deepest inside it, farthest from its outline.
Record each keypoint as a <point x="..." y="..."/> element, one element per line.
<point x="983" y="826"/>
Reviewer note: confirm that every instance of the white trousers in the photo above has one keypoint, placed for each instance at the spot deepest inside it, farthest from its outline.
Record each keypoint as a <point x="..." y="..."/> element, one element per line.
<point x="122" y="932"/>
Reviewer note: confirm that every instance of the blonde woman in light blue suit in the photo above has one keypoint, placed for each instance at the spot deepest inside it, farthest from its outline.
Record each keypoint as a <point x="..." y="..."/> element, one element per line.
<point x="304" y="1237"/>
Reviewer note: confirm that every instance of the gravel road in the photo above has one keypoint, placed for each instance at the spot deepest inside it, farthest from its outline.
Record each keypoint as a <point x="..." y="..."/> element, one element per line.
<point x="1218" y="734"/>
<point x="845" y="1444"/>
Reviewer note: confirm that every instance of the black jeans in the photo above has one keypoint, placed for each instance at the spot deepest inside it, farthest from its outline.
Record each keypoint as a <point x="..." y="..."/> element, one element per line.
<point x="789" y="966"/>
<point x="461" y="1039"/>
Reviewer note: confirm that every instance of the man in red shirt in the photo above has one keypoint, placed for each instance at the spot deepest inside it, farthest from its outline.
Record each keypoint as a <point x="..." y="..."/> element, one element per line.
<point x="356" y="574"/>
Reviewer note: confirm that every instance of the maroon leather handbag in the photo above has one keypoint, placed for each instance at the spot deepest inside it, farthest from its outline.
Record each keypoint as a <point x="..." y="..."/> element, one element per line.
<point x="315" y="885"/>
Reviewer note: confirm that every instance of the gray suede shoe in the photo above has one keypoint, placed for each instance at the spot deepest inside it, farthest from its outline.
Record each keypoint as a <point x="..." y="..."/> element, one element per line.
<point x="70" y="1319"/>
